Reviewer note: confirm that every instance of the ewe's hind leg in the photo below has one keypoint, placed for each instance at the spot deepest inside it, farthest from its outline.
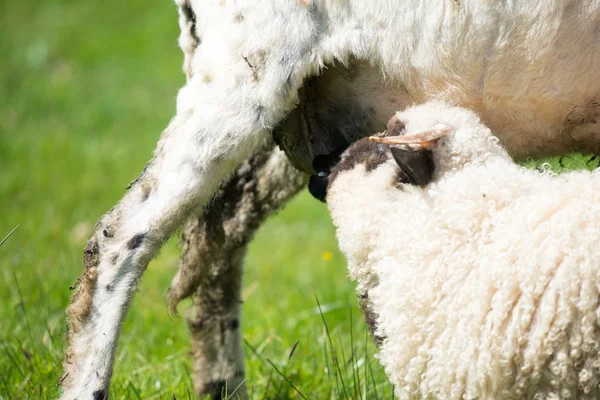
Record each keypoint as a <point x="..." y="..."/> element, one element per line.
<point x="223" y="114"/>
<point x="212" y="265"/>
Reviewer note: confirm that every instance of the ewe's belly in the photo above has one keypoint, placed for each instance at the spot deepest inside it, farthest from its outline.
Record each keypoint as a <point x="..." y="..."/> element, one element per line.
<point x="532" y="114"/>
<point x="534" y="111"/>
<point x="527" y="126"/>
<point x="530" y="69"/>
<point x="533" y="128"/>
<point x="346" y="104"/>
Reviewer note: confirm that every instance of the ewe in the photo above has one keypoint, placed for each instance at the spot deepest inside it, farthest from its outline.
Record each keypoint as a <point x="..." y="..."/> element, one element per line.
<point x="528" y="68"/>
<point x="483" y="284"/>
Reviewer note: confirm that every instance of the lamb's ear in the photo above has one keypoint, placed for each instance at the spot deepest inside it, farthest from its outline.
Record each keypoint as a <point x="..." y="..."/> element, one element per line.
<point x="417" y="165"/>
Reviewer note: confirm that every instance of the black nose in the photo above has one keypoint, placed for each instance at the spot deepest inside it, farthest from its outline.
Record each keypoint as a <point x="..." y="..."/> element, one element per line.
<point x="322" y="164"/>
<point x="317" y="186"/>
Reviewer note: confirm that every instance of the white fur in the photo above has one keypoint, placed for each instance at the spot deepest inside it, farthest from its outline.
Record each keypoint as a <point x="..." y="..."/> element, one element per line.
<point x="488" y="278"/>
<point x="529" y="68"/>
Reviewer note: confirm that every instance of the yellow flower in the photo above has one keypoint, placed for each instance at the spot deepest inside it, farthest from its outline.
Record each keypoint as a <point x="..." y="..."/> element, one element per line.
<point x="327" y="256"/>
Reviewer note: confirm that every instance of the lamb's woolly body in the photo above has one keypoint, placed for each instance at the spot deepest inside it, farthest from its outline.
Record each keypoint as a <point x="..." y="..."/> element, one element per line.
<point x="488" y="278"/>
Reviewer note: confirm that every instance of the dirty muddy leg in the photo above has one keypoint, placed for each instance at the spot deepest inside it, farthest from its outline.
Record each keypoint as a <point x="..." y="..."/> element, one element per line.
<point x="212" y="265"/>
<point x="218" y="125"/>
<point x="126" y="239"/>
<point x="123" y="243"/>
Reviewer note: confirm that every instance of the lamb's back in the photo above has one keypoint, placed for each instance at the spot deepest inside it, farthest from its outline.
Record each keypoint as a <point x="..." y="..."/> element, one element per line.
<point x="488" y="283"/>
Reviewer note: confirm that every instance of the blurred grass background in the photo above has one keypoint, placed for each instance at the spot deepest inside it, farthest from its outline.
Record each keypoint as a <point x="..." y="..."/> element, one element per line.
<point x="85" y="90"/>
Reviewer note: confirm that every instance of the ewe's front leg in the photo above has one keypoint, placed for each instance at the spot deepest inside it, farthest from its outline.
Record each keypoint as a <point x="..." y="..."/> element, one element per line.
<point x="212" y="264"/>
<point x="220" y="121"/>
<point x="123" y="243"/>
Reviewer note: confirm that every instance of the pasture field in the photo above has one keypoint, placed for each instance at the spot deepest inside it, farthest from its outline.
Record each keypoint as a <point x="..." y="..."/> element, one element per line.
<point x="85" y="90"/>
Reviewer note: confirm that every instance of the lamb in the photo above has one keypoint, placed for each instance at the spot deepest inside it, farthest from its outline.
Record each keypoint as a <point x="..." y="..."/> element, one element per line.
<point x="317" y="76"/>
<point x="485" y="282"/>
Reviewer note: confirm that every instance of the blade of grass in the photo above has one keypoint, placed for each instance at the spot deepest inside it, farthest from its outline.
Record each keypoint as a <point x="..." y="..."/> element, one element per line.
<point x="286" y="365"/>
<point x="236" y="389"/>
<point x="12" y="358"/>
<point x="25" y="354"/>
<point x="326" y="359"/>
<point x="293" y="350"/>
<point x="287" y="380"/>
<point x="345" y="362"/>
<point x="9" y="234"/>
<point x="277" y="396"/>
<point x="223" y="393"/>
<point x="366" y="364"/>
<point x="355" y="376"/>
<point x="333" y="356"/>
<point x="51" y="351"/>
<point x="135" y="391"/>
<point x="372" y="379"/>
<point x="23" y="309"/>
<point x="4" y="384"/>
<point x="330" y="368"/>
<point x="254" y="351"/>
<point x="268" y="385"/>
<point x="262" y="360"/>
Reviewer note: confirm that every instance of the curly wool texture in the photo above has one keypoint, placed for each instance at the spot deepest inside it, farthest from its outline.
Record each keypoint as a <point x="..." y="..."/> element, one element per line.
<point x="488" y="277"/>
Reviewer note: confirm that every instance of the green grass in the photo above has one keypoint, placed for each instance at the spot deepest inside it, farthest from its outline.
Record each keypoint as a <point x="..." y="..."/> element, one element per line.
<point x="85" y="90"/>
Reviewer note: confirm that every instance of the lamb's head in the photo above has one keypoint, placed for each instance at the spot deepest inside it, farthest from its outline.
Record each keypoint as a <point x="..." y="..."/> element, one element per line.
<point x="420" y="143"/>
<point x="455" y="135"/>
<point x="365" y="156"/>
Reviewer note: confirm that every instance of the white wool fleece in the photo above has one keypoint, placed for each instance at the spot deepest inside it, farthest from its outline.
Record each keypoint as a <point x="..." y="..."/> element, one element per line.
<point x="488" y="277"/>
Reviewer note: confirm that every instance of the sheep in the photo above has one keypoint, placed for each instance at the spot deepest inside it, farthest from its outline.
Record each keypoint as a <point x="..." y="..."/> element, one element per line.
<point x="483" y="283"/>
<point x="529" y="69"/>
